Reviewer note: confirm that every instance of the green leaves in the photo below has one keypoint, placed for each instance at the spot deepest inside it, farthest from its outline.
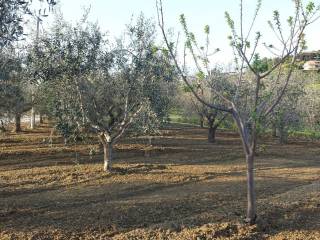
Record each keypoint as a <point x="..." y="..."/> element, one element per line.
<point x="230" y="22"/>
<point x="310" y="7"/>
<point x="200" y="75"/>
<point x="276" y="16"/>
<point x="182" y="19"/>
<point x="154" y="49"/>
<point x="260" y="65"/>
<point x="258" y="35"/>
<point x="303" y="42"/>
<point x="11" y="21"/>
<point x="206" y="29"/>
<point x="290" y="21"/>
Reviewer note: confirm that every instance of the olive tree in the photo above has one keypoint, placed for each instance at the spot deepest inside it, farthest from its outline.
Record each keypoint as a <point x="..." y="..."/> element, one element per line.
<point x="13" y="95"/>
<point x="103" y="88"/>
<point x="246" y="104"/>
<point x="129" y="91"/>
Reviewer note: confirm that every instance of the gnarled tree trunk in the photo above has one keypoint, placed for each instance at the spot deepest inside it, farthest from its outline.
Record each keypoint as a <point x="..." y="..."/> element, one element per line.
<point x="212" y="133"/>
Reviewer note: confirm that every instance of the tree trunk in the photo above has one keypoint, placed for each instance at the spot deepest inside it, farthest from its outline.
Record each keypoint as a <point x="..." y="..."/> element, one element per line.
<point x="251" y="198"/>
<point x="283" y="138"/>
<point x="201" y="122"/>
<point x="274" y="130"/>
<point x="2" y="127"/>
<point x="17" y="123"/>
<point x="245" y="138"/>
<point x="212" y="134"/>
<point x="40" y="118"/>
<point x="107" y="156"/>
<point x="32" y="118"/>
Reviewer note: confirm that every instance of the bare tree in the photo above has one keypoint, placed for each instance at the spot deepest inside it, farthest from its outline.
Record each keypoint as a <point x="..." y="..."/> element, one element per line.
<point x="247" y="105"/>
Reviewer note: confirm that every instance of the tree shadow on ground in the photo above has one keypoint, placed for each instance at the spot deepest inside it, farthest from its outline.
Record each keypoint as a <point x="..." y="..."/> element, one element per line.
<point x="298" y="216"/>
<point x="136" y="169"/>
<point x="173" y="206"/>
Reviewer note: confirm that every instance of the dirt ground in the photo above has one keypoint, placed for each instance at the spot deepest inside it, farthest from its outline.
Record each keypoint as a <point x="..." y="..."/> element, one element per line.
<point x="180" y="188"/>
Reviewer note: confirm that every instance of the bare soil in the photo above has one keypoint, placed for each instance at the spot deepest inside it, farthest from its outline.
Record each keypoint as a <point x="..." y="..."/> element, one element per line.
<point x="181" y="187"/>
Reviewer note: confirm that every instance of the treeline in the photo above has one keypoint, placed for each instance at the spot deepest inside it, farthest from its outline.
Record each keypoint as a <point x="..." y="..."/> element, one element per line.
<point x="296" y="116"/>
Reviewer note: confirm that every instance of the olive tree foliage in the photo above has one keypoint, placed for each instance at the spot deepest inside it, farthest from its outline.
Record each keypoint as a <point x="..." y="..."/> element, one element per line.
<point x="15" y="90"/>
<point x="247" y="103"/>
<point x="12" y="19"/>
<point x="13" y="96"/>
<point x="12" y="13"/>
<point x="105" y="88"/>
<point x="12" y="22"/>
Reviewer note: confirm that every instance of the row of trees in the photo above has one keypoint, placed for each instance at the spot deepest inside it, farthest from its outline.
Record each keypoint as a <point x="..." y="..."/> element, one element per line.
<point x="298" y="112"/>
<point x="13" y="91"/>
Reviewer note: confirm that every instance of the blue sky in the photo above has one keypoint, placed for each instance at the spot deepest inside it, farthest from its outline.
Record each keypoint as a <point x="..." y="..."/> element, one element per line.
<point x="112" y="15"/>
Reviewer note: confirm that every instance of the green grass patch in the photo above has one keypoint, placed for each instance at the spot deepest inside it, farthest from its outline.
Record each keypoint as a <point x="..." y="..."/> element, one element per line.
<point x="306" y="134"/>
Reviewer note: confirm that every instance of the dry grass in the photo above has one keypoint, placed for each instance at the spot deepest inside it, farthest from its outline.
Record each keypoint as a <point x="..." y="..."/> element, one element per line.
<point x="185" y="189"/>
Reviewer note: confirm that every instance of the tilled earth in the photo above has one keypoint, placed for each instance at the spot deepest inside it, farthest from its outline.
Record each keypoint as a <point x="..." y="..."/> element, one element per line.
<point x="181" y="187"/>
